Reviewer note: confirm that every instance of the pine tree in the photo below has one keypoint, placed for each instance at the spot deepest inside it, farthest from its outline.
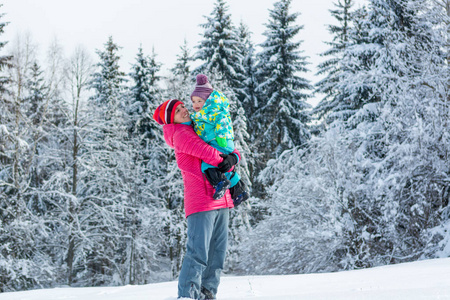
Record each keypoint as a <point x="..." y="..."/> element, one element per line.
<point x="366" y="191"/>
<point x="411" y="191"/>
<point x="108" y="182"/>
<point x="331" y="67"/>
<point x="219" y="49"/>
<point x="5" y="60"/>
<point x="182" y="67"/>
<point x="108" y="81"/>
<point x="241" y="139"/>
<point x="179" y="84"/>
<point x="355" y="89"/>
<point x="37" y="94"/>
<point x="23" y="261"/>
<point x="249" y="98"/>
<point x="281" y="118"/>
<point x="379" y="71"/>
<point x="144" y="96"/>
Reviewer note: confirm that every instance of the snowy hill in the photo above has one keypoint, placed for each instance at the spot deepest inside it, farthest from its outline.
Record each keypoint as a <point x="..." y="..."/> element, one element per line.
<point x="428" y="279"/>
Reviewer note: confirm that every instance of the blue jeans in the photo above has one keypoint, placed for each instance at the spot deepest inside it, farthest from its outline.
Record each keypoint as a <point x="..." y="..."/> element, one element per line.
<point x="205" y="252"/>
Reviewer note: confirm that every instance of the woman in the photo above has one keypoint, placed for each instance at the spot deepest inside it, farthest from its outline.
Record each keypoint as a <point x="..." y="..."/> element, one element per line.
<point x="207" y="219"/>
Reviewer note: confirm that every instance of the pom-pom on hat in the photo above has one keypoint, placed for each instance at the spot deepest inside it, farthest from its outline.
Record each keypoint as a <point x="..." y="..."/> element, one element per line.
<point x="203" y="88"/>
<point x="165" y="113"/>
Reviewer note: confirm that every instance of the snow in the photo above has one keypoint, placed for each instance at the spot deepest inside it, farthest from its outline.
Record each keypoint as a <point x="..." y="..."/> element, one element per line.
<point x="428" y="279"/>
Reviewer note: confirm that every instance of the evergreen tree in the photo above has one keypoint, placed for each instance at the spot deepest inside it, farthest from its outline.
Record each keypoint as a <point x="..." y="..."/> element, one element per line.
<point x="219" y="49"/>
<point x="107" y="185"/>
<point x="241" y="138"/>
<point x="37" y="94"/>
<point x="5" y="60"/>
<point x="249" y="99"/>
<point x="379" y="75"/>
<point x="358" y="59"/>
<point x="144" y="96"/>
<point x="182" y="67"/>
<point x="108" y="81"/>
<point x="179" y="84"/>
<point x="281" y="118"/>
<point x="363" y="191"/>
<point x="331" y="67"/>
<point x="161" y="186"/>
<point x="23" y="261"/>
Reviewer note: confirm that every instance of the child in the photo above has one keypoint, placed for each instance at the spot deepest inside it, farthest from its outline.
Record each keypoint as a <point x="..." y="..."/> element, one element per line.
<point x="213" y="124"/>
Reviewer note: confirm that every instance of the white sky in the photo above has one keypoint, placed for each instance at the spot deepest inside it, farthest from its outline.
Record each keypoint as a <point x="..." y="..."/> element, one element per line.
<point x="160" y="24"/>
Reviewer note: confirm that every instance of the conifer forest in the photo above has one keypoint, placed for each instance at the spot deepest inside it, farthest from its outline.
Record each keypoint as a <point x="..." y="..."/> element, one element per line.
<point x="91" y="195"/>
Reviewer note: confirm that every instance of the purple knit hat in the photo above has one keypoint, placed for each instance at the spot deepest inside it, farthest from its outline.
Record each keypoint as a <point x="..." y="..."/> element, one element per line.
<point x="203" y="88"/>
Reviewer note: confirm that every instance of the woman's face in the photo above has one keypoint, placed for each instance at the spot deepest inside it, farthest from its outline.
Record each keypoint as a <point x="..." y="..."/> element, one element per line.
<point x="181" y="115"/>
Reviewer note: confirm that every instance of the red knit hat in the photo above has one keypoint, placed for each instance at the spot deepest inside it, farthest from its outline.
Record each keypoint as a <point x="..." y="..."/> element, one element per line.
<point x="165" y="113"/>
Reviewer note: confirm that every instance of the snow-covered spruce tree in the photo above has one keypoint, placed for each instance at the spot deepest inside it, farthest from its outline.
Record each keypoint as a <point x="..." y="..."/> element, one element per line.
<point x="38" y="92"/>
<point x="357" y="59"/>
<point x="108" y="182"/>
<point x="179" y="83"/>
<point x="5" y="60"/>
<point x="398" y="36"/>
<point x="369" y="188"/>
<point x="144" y="96"/>
<point x="379" y="73"/>
<point x="152" y="241"/>
<point x="240" y="217"/>
<point x="249" y="99"/>
<point x="108" y="80"/>
<point x="23" y="263"/>
<point x="281" y="116"/>
<point x="182" y="67"/>
<point x="49" y="117"/>
<point x="331" y="67"/>
<point x="419" y="143"/>
<point x="219" y="49"/>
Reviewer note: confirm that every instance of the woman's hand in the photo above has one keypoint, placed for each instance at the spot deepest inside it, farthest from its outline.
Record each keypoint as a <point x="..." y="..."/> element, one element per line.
<point x="228" y="162"/>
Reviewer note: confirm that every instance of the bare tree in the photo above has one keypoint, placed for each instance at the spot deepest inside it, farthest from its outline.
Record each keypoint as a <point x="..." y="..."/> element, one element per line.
<point x="77" y="72"/>
<point x="24" y="54"/>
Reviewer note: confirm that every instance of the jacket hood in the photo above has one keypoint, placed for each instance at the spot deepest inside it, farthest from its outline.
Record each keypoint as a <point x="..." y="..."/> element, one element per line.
<point x="169" y="131"/>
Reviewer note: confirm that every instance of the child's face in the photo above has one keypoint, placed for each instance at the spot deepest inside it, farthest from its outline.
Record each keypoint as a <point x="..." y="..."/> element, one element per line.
<point x="197" y="103"/>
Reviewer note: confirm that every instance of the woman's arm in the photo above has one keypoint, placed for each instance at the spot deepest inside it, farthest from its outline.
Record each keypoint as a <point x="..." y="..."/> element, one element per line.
<point x="187" y="141"/>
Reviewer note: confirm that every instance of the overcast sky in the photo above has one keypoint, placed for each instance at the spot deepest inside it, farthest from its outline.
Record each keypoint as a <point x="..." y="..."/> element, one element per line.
<point x="160" y="24"/>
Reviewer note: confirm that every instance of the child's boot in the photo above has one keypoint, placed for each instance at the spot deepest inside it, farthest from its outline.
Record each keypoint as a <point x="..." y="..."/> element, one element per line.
<point x="239" y="193"/>
<point x="219" y="181"/>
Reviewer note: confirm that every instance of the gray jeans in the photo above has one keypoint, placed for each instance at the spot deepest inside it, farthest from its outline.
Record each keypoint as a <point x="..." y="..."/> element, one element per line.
<point x="205" y="252"/>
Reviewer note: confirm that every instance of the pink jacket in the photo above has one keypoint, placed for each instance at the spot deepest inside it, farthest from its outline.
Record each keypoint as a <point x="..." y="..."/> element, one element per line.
<point x="190" y="150"/>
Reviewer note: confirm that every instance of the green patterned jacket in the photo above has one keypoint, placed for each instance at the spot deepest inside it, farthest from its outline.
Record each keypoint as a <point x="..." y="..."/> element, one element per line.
<point x="213" y="121"/>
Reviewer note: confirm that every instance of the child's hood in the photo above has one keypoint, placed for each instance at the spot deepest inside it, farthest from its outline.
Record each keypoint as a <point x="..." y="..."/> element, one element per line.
<point x="215" y="102"/>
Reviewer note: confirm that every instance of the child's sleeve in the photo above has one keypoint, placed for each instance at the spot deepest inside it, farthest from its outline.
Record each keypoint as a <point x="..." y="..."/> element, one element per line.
<point x="221" y="141"/>
<point x="222" y="120"/>
<point x="221" y="124"/>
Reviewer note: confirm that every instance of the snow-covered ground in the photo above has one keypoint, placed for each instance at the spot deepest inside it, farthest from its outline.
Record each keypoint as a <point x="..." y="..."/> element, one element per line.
<point x="428" y="279"/>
